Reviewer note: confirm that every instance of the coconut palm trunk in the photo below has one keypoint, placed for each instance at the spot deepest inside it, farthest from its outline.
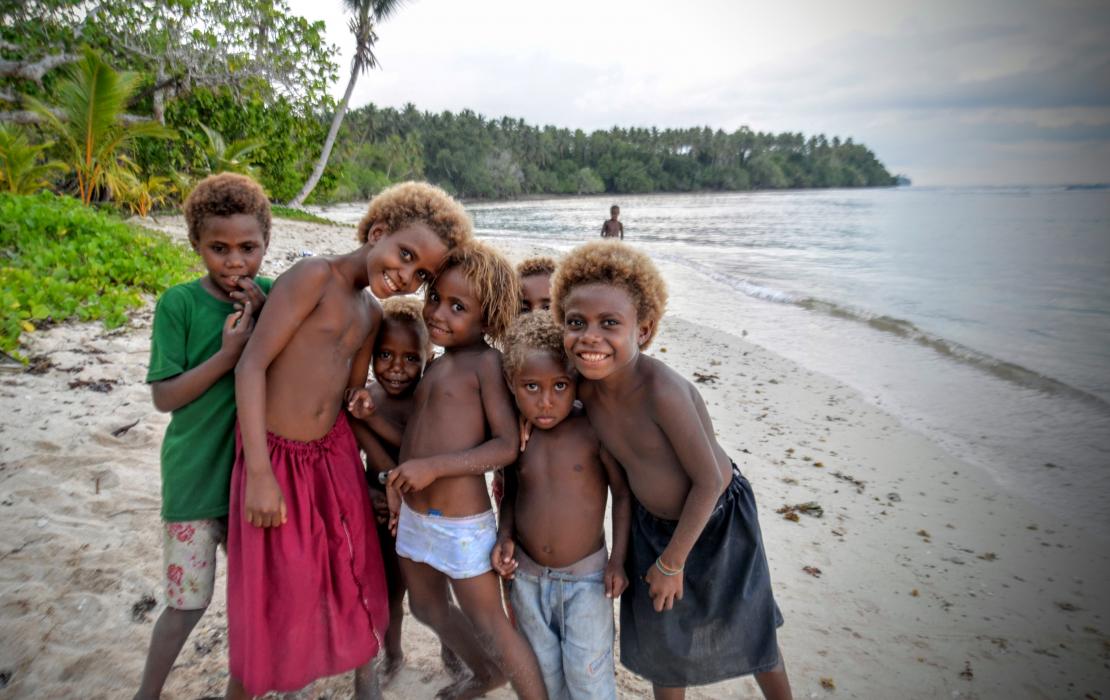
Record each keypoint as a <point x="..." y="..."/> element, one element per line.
<point x="367" y="13"/>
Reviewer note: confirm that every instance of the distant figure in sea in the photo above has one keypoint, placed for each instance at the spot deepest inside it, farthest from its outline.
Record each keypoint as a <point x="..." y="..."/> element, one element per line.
<point x="699" y="607"/>
<point x="200" y="329"/>
<point x="612" y="227"/>
<point x="306" y="592"/>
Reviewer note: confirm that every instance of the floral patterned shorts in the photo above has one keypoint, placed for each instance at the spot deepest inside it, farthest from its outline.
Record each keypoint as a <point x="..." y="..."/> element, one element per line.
<point x="189" y="558"/>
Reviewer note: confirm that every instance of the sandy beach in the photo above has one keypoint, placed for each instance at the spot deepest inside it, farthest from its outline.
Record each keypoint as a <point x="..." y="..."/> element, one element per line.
<point x="909" y="574"/>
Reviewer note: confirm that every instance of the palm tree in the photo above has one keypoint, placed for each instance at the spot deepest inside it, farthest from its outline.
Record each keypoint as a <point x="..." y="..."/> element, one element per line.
<point x="90" y="102"/>
<point x="20" y="169"/>
<point x="224" y="157"/>
<point x="365" y="15"/>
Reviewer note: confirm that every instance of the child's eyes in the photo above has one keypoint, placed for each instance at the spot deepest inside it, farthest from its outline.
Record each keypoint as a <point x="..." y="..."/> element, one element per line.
<point x="525" y="307"/>
<point x="573" y="323"/>
<point x="457" y="307"/>
<point x="434" y="296"/>
<point x="412" y="358"/>
<point x="561" y="386"/>
<point x="532" y="386"/>
<point x="406" y="255"/>
<point x="385" y="354"/>
<point x="609" y="322"/>
<point x="248" y="248"/>
<point x="423" y="275"/>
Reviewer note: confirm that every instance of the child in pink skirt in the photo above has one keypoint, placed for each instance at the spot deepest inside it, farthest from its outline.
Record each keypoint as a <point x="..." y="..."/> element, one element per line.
<point x="306" y="590"/>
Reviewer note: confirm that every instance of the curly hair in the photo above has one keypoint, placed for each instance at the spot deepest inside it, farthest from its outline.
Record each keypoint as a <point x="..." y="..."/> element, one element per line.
<point x="408" y="311"/>
<point x="539" y="265"/>
<point x="614" y="263"/>
<point x="492" y="281"/>
<point x="226" y="194"/>
<point x="406" y="202"/>
<point x="530" y="332"/>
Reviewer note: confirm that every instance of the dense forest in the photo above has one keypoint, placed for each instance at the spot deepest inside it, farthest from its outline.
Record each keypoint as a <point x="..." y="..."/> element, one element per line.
<point x="496" y="158"/>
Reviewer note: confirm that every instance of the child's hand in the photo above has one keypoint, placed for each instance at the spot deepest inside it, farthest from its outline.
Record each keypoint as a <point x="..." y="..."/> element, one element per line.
<point x="264" y="504"/>
<point x="359" y="402"/>
<point x="380" y="505"/>
<point x="238" y="327"/>
<point x="615" y="580"/>
<point x="393" y="500"/>
<point x="664" y="590"/>
<point x="525" y="432"/>
<point x="249" y="293"/>
<point x="502" y="557"/>
<point x="413" y="475"/>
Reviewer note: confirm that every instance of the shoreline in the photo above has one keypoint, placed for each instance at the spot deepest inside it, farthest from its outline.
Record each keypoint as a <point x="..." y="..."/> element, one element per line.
<point x="924" y="579"/>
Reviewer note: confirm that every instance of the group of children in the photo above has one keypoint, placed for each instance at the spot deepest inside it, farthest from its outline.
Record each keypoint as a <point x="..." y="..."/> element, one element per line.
<point x="542" y="380"/>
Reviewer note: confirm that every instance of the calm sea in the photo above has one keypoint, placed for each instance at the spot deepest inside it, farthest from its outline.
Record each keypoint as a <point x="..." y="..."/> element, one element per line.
<point x="978" y="316"/>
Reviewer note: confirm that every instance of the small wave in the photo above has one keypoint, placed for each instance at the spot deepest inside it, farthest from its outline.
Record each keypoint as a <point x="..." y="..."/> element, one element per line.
<point x="1001" y="369"/>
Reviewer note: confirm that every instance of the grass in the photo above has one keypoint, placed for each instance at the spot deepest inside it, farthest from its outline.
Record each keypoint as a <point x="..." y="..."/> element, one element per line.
<point x="282" y="212"/>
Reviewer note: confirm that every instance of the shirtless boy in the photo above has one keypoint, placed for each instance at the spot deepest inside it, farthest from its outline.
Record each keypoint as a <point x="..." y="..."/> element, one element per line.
<point x="306" y="592"/>
<point x="463" y="426"/>
<point x="612" y="227"/>
<point x="694" y="525"/>
<point x="551" y="538"/>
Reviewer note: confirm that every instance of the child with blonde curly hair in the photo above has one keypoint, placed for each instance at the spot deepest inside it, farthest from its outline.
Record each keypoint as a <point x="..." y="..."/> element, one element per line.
<point x="694" y="525"/>
<point x="306" y="592"/>
<point x="463" y="426"/>
<point x="535" y="283"/>
<point x="551" y="538"/>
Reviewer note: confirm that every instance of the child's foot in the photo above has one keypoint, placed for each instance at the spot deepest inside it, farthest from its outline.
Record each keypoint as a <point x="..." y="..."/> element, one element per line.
<point x="389" y="667"/>
<point x="454" y="665"/>
<point x="472" y="687"/>
<point x="367" y="685"/>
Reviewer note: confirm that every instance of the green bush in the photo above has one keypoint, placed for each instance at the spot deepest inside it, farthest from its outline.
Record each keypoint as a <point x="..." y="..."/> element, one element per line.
<point x="61" y="261"/>
<point x="279" y="211"/>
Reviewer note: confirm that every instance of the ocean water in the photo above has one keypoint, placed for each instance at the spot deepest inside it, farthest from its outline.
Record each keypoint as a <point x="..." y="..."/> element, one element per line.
<point x="978" y="316"/>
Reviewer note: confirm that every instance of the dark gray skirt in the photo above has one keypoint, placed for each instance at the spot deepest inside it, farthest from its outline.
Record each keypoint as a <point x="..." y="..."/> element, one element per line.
<point x="724" y="626"/>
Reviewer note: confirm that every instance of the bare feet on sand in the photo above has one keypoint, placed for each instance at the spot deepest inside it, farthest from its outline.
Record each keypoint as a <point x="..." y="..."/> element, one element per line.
<point x="472" y="687"/>
<point x="389" y="667"/>
<point x="454" y="665"/>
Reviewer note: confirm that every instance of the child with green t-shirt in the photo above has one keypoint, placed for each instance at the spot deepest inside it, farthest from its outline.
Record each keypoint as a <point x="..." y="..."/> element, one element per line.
<point x="200" y="329"/>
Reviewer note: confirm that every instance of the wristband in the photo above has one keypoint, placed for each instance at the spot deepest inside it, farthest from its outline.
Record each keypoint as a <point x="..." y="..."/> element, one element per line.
<point x="665" y="570"/>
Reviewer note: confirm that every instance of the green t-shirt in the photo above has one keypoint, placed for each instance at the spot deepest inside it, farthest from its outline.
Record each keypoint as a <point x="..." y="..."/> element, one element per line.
<point x="199" y="447"/>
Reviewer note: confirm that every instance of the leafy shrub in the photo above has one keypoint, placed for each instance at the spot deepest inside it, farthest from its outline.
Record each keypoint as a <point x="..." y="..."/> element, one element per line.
<point x="282" y="212"/>
<point x="61" y="261"/>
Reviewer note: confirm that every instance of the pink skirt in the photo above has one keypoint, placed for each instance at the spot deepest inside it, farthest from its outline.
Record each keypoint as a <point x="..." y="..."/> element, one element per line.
<point x="306" y="599"/>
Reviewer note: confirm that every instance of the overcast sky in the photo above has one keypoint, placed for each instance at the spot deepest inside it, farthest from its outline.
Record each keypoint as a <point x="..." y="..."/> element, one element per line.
<point x="948" y="92"/>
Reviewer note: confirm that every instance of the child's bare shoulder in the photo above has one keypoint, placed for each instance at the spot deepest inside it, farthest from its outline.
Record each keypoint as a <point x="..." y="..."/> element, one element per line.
<point x="666" y="388"/>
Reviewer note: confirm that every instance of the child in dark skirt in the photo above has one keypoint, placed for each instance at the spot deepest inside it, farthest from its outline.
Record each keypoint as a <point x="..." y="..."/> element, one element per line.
<point x="699" y="607"/>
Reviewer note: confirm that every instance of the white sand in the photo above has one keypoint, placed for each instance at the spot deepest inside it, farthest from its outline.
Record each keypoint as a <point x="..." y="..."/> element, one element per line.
<point x="932" y="582"/>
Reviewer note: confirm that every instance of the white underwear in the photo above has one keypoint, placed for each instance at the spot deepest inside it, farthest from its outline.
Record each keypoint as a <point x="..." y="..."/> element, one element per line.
<point x="458" y="547"/>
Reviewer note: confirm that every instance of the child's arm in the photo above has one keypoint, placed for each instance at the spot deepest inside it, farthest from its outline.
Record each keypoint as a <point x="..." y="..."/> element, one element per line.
<point x="615" y="578"/>
<point x="179" y="390"/>
<point x="377" y="459"/>
<point x="498" y="451"/>
<point x="621" y="229"/>
<point x="503" y="556"/>
<point x="292" y="299"/>
<point x="680" y="413"/>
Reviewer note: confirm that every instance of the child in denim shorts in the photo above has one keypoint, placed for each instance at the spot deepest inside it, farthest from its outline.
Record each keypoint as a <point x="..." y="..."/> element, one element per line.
<point x="551" y="537"/>
<point x="200" y="329"/>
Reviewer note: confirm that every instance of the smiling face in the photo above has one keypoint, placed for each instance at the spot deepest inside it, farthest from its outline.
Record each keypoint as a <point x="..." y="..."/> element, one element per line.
<point x="398" y="359"/>
<point x="536" y="293"/>
<point x="401" y="261"/>
<point x="601" y="333"/>
<point x="231" y="247"/>
<point x="452" y="312"/>
<point x="544" y="390"/>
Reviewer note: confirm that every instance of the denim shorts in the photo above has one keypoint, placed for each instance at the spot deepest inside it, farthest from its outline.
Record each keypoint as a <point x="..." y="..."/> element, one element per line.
<point x="567" y="619"/>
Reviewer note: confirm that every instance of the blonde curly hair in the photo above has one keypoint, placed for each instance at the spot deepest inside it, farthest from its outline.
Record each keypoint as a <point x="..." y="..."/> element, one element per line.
<point x="492" y="281"/>
<point x="408" y="311"/>
<point x="528" y="333"/>
<point x="406" y="202"/>
<point x="614" y="263"/>
<point x="539" y="265"/>
<point x="226" y="194"/>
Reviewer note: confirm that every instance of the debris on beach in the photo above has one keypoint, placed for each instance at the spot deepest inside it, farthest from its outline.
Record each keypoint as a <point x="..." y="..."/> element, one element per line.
<point x="924" y="534"/>
<point x="706" y="377"/>
<point x="39" y="364"/>
<point x="142" y="607"/>
<point x="120" y="431"/>
<point x="967" y="674"/>
<point x="828" y="684"/>
<point x="859" y="484"/>
<point x="1066" y="606"/>
<point x="893" y="497"/>
<point x="988" y="556"/>
<point x="811" y="508"/>
<point x="812" y="571"/>
<point x="104" y="386"/>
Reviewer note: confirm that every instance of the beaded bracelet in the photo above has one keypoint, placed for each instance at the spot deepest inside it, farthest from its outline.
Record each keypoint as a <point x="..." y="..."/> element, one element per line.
<point x="666" y="571"/>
